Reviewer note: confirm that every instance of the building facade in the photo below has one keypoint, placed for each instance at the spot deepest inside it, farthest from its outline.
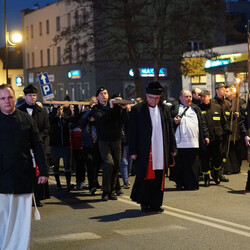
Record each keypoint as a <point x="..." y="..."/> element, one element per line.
<point x="227" y="64"/>
<point x="75" y="75"/>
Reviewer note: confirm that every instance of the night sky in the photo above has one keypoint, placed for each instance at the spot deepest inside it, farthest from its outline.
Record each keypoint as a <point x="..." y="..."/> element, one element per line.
<point x="13" y="9"/>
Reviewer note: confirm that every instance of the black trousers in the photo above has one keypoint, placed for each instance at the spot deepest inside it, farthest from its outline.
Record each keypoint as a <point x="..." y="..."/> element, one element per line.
<point x="212" y="157"/>
<point x="148" y="192"/>
<point x="111" y="161"/>
<point x="186" y="171"/>
<point x="92" y="160"/>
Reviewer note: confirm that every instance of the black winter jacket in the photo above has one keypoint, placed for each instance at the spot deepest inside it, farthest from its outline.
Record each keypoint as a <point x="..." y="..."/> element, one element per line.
<point x="19" y="134"/>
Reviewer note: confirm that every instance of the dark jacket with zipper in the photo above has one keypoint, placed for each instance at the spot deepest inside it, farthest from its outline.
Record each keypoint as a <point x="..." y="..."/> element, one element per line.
<point x="216" y="121"/>
<point x="109" y="121"/>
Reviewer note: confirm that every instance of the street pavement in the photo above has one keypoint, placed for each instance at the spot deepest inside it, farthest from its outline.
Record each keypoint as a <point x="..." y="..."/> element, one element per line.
<point x="215" y="217"/>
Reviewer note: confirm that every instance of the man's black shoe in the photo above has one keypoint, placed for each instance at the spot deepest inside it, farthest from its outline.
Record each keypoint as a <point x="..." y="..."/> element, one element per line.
<point x="105" y="197"/>
<point x="157" y="210"/>
<point x="206" y="180"/>
<point x="112" y="196"/>
<point x="39" y="204"/>
<point x="223" y="179"/>
<point x="144" y="208"/>
<point x="119" y="192"/>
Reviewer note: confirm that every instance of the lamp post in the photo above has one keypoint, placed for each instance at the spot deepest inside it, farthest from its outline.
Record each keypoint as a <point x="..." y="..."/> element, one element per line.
<point x="11" y="40"/>
<point x="248" y="64"/>
<point x="6" y="42"/>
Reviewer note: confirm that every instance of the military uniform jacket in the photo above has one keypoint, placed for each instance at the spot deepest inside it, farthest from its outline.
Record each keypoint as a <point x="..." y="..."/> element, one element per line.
<point x="140" y="132"/>
<point x="19" y="134"/>
<point x="216" y="121"/>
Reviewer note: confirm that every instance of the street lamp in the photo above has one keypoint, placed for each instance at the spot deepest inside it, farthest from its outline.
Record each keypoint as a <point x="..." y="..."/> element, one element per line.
<point x="11" y="40"/>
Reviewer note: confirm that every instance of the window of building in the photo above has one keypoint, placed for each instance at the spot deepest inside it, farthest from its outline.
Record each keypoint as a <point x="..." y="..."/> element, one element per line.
<point x="27" y="32"/>
<point x="48" y="57"/>
<point x="47" y="26"/>
<point x="79" y="91"/>
<point x="199" y="79"/>
<point x="70" y="54"/>
<point x="40" y="28"/>
<point x="77" y="52"/>
<point x="58" y="24"/>
<point x="41" y="58"/>
<point x="84" y="16"/>
<point x="33" y="60"/>
<point x="32" y="31"/>
<point x="69" y="19"/>
<point x="194" y="45"/>
<point x="28" y="60"/>
<point x="220" y="78"/>
<point x="59" y="55"/>
<point x="76" y="18"/>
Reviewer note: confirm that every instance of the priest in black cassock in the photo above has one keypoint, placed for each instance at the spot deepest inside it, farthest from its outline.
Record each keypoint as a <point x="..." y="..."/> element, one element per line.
<point x="151" y="145"/>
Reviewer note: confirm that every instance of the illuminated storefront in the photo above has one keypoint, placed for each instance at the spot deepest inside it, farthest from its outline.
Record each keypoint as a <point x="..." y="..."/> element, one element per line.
<point x="227" y="64"/>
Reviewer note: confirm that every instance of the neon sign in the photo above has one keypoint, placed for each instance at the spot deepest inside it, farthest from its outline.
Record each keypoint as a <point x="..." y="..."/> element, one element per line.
<point x="216" y="63"/>
<point x="149" y="72"/>
<point x="74" y="74"/>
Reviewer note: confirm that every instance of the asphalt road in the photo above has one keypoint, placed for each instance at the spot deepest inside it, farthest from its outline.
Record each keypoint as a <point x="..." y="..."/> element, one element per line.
<point x="215" y="217"/>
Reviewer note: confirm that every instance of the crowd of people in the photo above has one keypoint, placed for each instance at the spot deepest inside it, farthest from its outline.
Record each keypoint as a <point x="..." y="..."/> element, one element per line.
<point x="199" y="138"/>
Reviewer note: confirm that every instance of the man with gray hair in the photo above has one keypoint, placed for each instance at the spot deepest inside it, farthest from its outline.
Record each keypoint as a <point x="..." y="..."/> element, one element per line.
<point x="191" y="137"/>
<point x="151" y="145"/>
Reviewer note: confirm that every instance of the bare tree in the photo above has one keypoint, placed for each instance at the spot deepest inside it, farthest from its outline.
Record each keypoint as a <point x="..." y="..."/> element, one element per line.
<point x="135" y="31"/>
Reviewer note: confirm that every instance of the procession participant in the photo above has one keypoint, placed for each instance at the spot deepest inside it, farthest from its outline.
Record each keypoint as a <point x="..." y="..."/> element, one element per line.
<point x="18" y="135"/>
<point x="220" y="99"/>
<point x="217" y="125"/>
<point x="191" y="137"/>
<point x="196" y="96"/>
<point x="151" y="144"/>
<point x="109" y="119"/>
<point x="60" y="144"/>
<point x="40" y="116"/>
<point x="245" y="131"/>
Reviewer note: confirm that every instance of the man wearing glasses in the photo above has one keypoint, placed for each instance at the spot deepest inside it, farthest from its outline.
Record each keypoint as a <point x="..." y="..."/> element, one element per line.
<point x="151" y="145"/>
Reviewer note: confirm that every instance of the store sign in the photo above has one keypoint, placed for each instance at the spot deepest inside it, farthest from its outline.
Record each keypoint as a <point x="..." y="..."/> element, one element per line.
<point x="149" y="72"/>
<point x="74" y="74"/>
<point x="19" y="81"/>
<point x="216" y="63"/>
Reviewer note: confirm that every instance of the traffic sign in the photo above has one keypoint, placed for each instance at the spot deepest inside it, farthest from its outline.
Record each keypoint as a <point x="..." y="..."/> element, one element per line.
<point x="47" y="91"/>
<point x="43" y="78"/>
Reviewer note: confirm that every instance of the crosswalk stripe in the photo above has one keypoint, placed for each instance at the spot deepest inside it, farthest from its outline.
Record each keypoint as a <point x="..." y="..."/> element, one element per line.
<point x="69" y="237"/>
<point x="180" y="214"/>
<point x="149" y="230"/>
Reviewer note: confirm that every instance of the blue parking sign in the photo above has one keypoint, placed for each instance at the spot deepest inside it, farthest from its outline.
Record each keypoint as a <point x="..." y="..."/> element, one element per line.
<point x="47" y="91"/>
<point x="43" y="78"/>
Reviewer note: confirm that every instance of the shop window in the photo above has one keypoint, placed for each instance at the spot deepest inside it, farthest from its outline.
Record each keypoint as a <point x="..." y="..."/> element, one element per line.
<point x="200" y="79"/>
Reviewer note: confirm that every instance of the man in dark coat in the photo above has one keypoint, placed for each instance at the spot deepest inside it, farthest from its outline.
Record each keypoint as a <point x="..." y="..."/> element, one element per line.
<point x="18" y="134"/>
<point x="191" y="137"/>
<point x="151" y="143"/>
<point x="40" y="116"/>
<point x="109" y="118"/>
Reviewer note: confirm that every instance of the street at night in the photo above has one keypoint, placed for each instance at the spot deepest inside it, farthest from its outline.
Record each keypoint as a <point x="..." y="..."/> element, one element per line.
<point x="214" y="217"/>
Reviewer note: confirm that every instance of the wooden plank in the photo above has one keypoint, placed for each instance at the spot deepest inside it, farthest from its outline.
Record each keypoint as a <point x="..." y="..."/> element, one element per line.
<point x="123" y="102"/>
<point x="66" y="103"/>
